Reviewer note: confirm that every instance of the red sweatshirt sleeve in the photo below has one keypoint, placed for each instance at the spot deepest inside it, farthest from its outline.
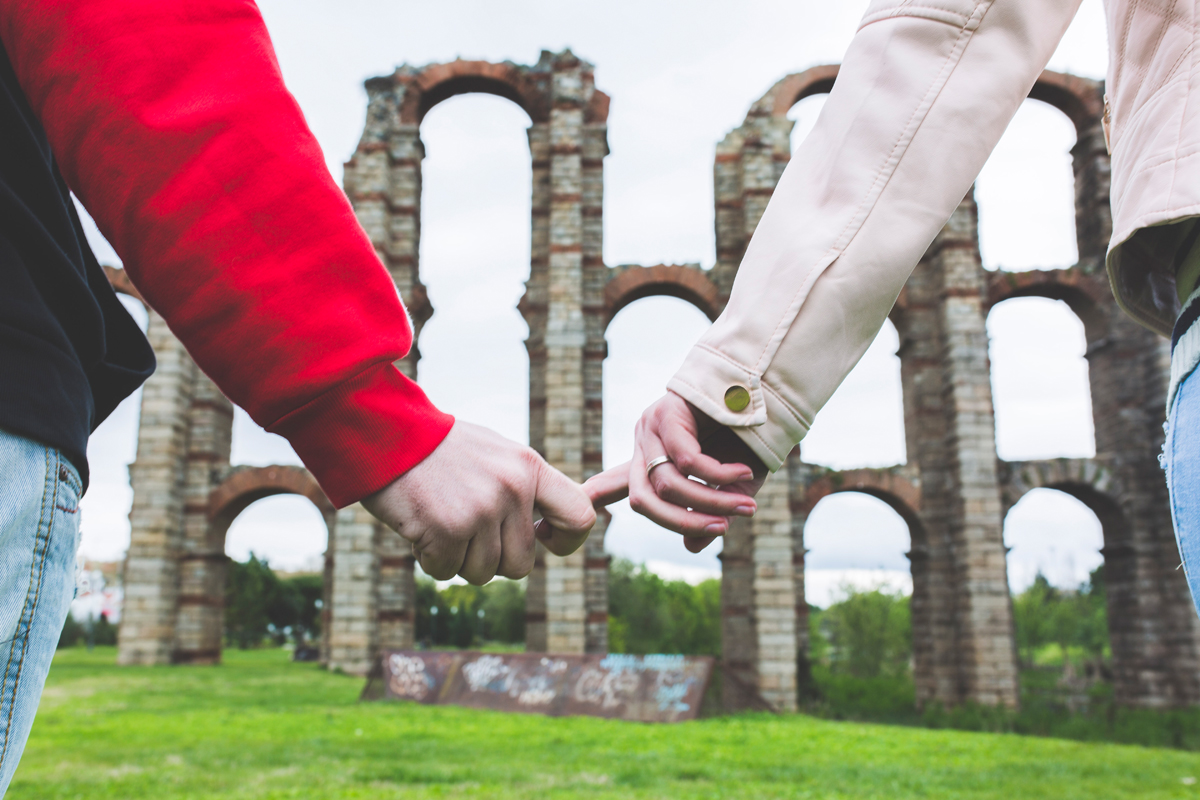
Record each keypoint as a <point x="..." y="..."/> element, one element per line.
<point x="171" y="123"/>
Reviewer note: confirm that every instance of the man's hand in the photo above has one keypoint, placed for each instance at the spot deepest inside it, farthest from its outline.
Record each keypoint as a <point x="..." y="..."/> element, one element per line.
<point x="698" y="448"/>
<point x="468" y="507"/>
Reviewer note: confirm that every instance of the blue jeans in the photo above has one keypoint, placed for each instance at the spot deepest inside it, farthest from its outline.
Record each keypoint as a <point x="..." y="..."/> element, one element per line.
<point x="1181" y="458"/>
<point x="39" y="534"/>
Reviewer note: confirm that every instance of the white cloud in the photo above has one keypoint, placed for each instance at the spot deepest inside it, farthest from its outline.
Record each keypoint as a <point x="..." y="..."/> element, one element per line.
<point x="824" y="587"/>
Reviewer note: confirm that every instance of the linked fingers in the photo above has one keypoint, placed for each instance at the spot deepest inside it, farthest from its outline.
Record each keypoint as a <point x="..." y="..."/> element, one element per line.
<point x="608" y="487"/>
<point x="644" y="500"/>
<point x="671" y="485"/>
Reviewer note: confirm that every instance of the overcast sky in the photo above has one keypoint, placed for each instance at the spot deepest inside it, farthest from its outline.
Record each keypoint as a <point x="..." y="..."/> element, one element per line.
<point x="681" y="75"/>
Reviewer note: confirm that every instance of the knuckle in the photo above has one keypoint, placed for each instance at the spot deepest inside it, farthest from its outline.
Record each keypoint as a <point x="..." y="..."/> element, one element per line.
<point x="637" y="502"/>
<point x="440" y="573"/>
<point x="520" y="569"/>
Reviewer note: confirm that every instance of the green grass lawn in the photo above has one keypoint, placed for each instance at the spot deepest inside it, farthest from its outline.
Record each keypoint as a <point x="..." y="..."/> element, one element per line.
<point x="260" y="727"/>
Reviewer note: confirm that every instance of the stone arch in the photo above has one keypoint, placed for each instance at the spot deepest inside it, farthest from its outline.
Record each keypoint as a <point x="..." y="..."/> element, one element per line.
<point x="780" y="98"/>
<point x="689" y="283"/>
<point x="246" y="485"/>
<point x="1089" y="299"/>
<point x="1087" y="295"/>
<point x="1081" y="99"/>
<point x="1086" y="479"/>
<point x="901" y="494"/>
<point x="1126" y="573"/>
<point x="900" y="489"/>
<point x="430" y="85"/>
<point x="383" y="178"/>
<point x="200" y="624"/>
<point x="527" y="87"/>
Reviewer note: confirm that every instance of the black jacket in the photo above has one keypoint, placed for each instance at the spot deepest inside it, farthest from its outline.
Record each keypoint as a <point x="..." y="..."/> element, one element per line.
<point x="69" y="351"/>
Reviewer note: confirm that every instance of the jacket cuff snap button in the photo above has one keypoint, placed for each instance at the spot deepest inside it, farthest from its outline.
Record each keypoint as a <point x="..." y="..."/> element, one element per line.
<point x="737" y="398"/>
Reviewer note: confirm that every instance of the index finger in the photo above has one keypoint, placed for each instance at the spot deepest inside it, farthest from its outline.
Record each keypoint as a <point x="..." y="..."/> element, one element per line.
<point x="608" y="487"/>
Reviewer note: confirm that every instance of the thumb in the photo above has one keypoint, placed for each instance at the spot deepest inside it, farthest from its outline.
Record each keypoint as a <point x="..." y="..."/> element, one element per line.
<point x="567" y="513"/>
<point x="608" y="487"/>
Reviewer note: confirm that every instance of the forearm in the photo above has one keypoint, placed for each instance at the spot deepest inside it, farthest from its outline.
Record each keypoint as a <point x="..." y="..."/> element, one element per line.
<point x="921" y="99"/>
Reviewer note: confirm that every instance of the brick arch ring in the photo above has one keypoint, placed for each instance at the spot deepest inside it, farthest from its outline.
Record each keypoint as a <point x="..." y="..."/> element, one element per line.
<point x="1080" y="99"/>
<point x="246" y="485"/>
<point x="430" y="85"/>
<point x="1085" y="479"/>
<point x="686" y="283"/>
<point x="1088" y="296"/>
<point x="901" y="494"/>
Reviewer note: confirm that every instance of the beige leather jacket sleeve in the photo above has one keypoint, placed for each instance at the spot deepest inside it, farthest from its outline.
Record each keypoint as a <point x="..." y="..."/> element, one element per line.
<point x="923" y="95"/>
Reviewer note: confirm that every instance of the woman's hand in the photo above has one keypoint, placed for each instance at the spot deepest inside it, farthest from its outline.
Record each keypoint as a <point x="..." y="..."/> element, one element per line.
<point x="710" y="476"/>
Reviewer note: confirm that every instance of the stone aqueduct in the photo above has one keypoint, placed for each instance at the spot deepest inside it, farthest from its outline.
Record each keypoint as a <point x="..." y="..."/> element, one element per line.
<point x="953" y="493"/>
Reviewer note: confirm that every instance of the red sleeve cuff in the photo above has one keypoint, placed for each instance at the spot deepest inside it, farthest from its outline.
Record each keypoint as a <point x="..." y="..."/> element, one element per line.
<point x="365" y="433"/>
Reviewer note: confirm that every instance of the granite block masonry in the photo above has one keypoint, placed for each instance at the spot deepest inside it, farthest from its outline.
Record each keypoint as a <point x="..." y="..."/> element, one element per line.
<point x="953" y="494"/>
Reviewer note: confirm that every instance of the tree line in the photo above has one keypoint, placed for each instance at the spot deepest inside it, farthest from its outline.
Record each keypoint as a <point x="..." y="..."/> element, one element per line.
<point x="866" y="635"/>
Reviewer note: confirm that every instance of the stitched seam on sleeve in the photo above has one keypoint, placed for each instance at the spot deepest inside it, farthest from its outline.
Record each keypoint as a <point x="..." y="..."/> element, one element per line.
<point x="787" y="406"/>
<point x="725" y="358"/>
<point x="933" y="13"/>
<point x="866" y="204"/>
<point x="754" y="432"/>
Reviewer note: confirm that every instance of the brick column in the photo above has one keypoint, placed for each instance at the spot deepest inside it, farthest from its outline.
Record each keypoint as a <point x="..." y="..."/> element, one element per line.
<point x="988" y="672"/>
<point x="759" y="177"/>
<point x="565" y="338"/>
<point x="147" y="632"/>
<point x="533" y="308"/>
<point x="1093" y="214"/>
<point x="799" y="477"/>
<point x="764" y="616"/>
<point x="595" y="274"/>
<point x="354" y="634"/>
<point x="202" y="560"/>
<point x="728" y="219"/>
<point x="395" y="592"/>
<point x="758" y="601"/>
<point x="383" y="182"/>
<point x="962" y="621"/>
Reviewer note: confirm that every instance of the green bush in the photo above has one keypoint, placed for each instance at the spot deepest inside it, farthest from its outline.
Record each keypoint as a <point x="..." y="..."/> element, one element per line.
<point x="102" y="633"/>
<point x="866" y="635"/>
<point x="458" y="622"/>
<point x="649" y="615"/>
<point x="259" y="605"/>
<point x="883" y="698"/>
